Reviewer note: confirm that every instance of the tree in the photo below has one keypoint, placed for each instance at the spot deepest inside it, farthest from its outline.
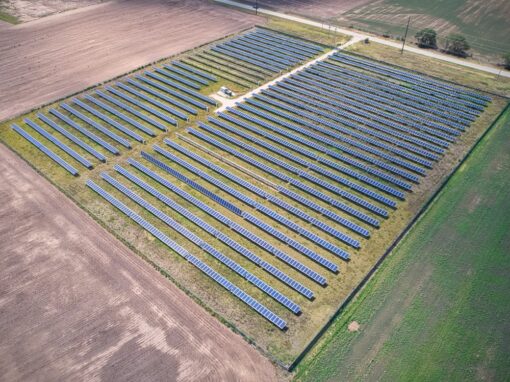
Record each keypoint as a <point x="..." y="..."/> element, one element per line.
<point x="427" y="38"/>
<point x="457" y="45"/>
<point x="506" y="59"/>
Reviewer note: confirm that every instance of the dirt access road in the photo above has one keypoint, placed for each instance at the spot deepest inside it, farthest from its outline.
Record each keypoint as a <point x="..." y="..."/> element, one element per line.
<point x="76" y="304"/>
<point x="55" y="56"/>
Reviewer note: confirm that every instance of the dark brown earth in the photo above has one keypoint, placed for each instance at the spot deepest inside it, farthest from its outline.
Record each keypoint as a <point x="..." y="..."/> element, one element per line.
<point x="76" y="304"/>
<point x="59" y="55"/>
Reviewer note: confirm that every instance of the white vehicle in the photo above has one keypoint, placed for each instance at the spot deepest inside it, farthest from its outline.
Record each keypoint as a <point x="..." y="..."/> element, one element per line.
<point x="226" y="92"/>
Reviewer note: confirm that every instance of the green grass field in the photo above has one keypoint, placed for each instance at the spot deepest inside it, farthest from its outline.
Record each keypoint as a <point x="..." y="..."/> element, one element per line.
<point x="438" y="308"/>
<point x="485" y="25"/>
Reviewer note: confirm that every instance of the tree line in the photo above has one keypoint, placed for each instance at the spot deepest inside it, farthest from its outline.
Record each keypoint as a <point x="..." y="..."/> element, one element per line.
<point x="455" y="44"/>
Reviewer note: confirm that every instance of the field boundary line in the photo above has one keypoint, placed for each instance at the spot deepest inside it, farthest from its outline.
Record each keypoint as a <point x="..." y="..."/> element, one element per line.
<point x="435" y="196"/>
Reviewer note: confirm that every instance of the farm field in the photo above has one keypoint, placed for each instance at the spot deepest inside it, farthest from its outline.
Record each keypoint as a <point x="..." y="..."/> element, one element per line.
<point x="318" y="168"/>
<point x="77" y="304"/>
<point x="485" y="25"/>
<point x="438" y="307"/>
<point x="62" y="60"/>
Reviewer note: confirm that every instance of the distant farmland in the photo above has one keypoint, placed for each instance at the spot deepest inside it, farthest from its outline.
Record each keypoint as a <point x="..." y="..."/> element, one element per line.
<point x="485" y="24"/>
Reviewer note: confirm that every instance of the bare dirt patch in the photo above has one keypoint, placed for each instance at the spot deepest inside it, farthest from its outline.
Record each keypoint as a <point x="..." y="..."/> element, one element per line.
<point x="353" y="326"/>
<point x="50" y="58"/>
<point x="76" y="304"/>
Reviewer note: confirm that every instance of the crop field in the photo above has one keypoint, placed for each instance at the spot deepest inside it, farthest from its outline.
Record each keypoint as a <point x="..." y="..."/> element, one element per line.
<point x="438" y="307"/>
<point x="485" y="24"/>
<point x="284" y="202"/>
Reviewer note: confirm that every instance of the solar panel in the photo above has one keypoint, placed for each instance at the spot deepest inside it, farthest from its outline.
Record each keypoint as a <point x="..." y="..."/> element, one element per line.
<point x="120" y="115"/>
<point x="204" y="207"/>
<point x="270" y="316"/>
<point x="97" y="126"/>
<point x="187" y="75"/>
<point x="186" y="90"/>
<point x="194" y="70"/>
<point x="72" y="137"/>
<point x="45" y="150"/>
<point x="108" y="120"/>
<point x="285" y="301"/>
<point x="58" y="143"/>
<point x="84" y="131"/>
<point x="128" y="108"/>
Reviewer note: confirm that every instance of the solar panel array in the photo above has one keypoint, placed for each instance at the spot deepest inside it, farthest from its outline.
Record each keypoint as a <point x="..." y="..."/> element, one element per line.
<point x="305" y="170"/>
<point x="252" y="57"/>
<point x="232" y="288"/>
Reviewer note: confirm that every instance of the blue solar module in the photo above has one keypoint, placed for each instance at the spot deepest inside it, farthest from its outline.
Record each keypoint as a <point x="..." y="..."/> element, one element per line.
<point x="309" y="143"/>
<point x="422" y="133"/>
<point x="266" y="54"/>
<point x="187" y="75"/>
<point x="45" y="150"/>
<point x="400" y="90"/>
<point x="297" y="159"/>
<point x="285" y="301"/>
<point x="278" y="48"/>
<point x="305" y="152"/>
<point x="262" y="39"/>
<point x="109" y="120"/>
<point x="170" y="91"/>
<point x="195" y="70"/>
<point x="120" y="115"/>
<point x="244" y="57"/>
<point x="152" y="101"/>
<point x="97" y="126"/>
<point x="305" y="110"/>
<point x="396" y="114"/>
<point x="128" y="108"/>
<point x="85" y="132"/>
<point x="242" y="197"/>
<point x="404" y="76"/>
<point x="278" y="174"/>
<point x="290" y="40"/>
<point x="387" y="98"/>
<point x="277" y="217"/>
<point x="58" y="143"/>
<point x="185" y="89"/>
<point x="295" y="46"/>
<point x="244" y="232"/>
<point x="271" y="49"/>
<point x="420" y="79"/>
<point x="343" y="148"/>
<point x="180" y="79"/>
<point x="415" y="135"/>
<point x="72" y="137"/>
<point x="270" y="316"/>
<point x="167" y="99"/>
<point x="296" y="170"/>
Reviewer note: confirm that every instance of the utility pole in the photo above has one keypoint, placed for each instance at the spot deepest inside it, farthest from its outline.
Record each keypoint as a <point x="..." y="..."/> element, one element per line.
<point x="256" y="7"/>
<point x="405" y="35"/>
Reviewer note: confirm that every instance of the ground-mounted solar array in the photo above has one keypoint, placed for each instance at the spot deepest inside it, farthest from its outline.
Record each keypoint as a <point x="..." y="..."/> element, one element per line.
<point x="277" y="201"/>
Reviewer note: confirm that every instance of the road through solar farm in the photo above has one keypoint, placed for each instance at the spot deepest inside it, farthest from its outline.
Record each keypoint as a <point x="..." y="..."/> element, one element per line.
<point x="273" y="211"/>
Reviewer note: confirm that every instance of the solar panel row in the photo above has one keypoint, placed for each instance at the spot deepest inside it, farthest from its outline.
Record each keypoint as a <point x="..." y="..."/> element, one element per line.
<point x="45" y="150"/>
<point x="282" y="299"/>
<point x="309" y="143"/>
<point x="72" y="137"/>
<point x="244" y="232"/>
<point x="254" y="304"/>
<point x="305" y="152"/>
<point x="216" y="233"/>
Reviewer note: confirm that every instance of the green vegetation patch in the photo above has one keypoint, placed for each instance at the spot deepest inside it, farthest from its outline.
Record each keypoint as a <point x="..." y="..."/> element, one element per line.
<point x="438" y="308"/>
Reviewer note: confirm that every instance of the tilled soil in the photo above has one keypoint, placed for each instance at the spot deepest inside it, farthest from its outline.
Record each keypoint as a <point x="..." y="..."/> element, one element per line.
<point x="59" y="55"/>
<point x="76" y="304"/>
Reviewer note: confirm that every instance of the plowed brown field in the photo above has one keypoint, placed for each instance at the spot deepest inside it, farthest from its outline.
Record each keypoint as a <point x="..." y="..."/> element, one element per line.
<point x="47" y="59"/>
<point x="76" y="304"/>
